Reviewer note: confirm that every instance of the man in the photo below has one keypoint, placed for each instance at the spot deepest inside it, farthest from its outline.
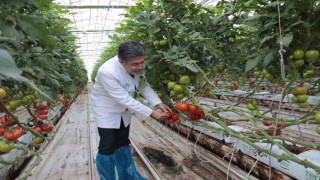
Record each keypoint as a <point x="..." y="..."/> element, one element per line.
<point x="112" y="103"/>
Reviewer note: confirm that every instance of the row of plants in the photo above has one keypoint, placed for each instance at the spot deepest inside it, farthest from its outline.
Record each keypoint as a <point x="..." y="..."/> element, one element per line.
<point x="191" y="48"/>
<point x="40" y="70"/>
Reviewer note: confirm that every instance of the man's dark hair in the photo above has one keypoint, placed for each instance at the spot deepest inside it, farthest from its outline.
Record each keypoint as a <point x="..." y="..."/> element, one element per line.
<point x="129" y="50"/>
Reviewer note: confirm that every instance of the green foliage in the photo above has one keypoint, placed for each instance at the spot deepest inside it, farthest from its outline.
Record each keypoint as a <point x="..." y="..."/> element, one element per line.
<point x="41" y="49"/>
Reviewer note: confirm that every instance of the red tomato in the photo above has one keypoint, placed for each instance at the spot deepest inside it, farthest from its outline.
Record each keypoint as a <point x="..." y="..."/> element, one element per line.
<point x="271" y="129"/>
<point x="202" y="115"/>
<point x="4" y="101"/>
<point x="39" y="122"/>
<point x="175" y="117"/>
<point x="280" y="123"/>
<point x="38" y="130"/>
<point x="12" y="134"/>
<point x="170" y="121"/>
<point x="184" y="107"/>
<point x="198" y="111"/>
<point x="267" y="123"/>
<point x="43" y="106"/>
<point x="169" y="113"/>
<point x="192" y="108"/>
<point x="20" y="129"/>
<point x="7" y="121"/>
<point x="44" y="112"/>
<point x="46" y="128"/>
<point x="43" y="117"/>
<point x="2" y="131"/>
<point x="190" y="102"/>
<point x="178" y="104"/>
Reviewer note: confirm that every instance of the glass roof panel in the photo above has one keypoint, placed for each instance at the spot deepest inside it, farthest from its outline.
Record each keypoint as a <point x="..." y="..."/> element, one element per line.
<point x="94" y="21"/>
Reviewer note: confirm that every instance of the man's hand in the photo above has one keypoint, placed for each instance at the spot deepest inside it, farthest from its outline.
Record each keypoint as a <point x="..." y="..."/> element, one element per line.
<point x="164" y="107"/>
<point x="158" y="115"/>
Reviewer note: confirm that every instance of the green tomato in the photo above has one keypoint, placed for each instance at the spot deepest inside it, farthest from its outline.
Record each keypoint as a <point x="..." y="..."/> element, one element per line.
<point x="173" y="68"/>
<point x="304" y="105"/>
<point x="178" y="88"/>
<point x="312" y="55"/>
<point x="310" y="73"/>
<point x="2" y="93"/>
<point x="171" y="84"/>
<point x="153" y="12"/>
<point x="220" y="68"/>
<point x="37" y="140"/>
<point x="317" y="117"/>
<point x="299" y="63"/>
<point x="294" y="92"/>
<point x="172" y="77"/>
<point x="251" y="107"/>
<point x="318" y="129"/>
<point x="210" y="94"/>
<point x="162" y="14"/>
<point x="25" y="100"/>
<point x="269" y="77"/>
<point x="180" y="96"/>
<point x="156" y="43"/>
<point x="305" y="75"/>
<point x="163" y="42"/>
<point x="214" y="69"/>
<point x="294" y="99"/>
<point x="255" y="112"/>
<point x="172" y="93"/>
<point x="184" y="80"/>
<point x="298" y="54"/>
<point x="6" y="146"/>
<point x="302" y="98"/>
<point x="15" y="104"/>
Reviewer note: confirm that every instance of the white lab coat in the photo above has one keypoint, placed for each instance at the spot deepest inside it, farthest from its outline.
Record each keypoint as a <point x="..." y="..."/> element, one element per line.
<point x="112" y="96"/>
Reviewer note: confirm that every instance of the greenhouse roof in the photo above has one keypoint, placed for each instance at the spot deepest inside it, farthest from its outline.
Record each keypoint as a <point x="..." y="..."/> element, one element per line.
<point x="94" y="20"/>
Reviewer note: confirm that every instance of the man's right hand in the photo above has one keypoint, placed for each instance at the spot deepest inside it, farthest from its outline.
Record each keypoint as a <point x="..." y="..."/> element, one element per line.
<point x="158" y="114"/>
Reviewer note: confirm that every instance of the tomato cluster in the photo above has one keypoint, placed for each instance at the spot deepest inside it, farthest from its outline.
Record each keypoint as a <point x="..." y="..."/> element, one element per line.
<point x="194" y="112"/>
<point x="253" y="108"/>
<point x="67" y="104"/>
<point x="300" y="96"/>
<point x="79" y="89"/>
<point x="173" y="117"/>
<point x="41" y="112"/>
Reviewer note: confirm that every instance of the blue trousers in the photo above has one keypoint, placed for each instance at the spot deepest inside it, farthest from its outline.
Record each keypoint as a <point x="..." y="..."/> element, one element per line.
<point x="123" y="161"/>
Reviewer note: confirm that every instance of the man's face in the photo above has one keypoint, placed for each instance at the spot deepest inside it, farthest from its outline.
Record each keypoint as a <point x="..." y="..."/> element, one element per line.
<point x="134" y="66"/>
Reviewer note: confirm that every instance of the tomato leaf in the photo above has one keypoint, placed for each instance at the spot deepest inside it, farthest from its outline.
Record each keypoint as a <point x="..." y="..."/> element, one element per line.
<point x="8" y="69"/>
<point x="252" y="63"/>
<point x="192" y="67"/>
<point x="266" y="39"/>
<point x="286" y="40"/>
<point x="35" y="26"/>
<point x="269" y="57"/>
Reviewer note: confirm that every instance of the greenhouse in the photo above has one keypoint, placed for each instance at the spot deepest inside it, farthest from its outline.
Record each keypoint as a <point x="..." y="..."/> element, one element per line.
<point x="160" y="89"/>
